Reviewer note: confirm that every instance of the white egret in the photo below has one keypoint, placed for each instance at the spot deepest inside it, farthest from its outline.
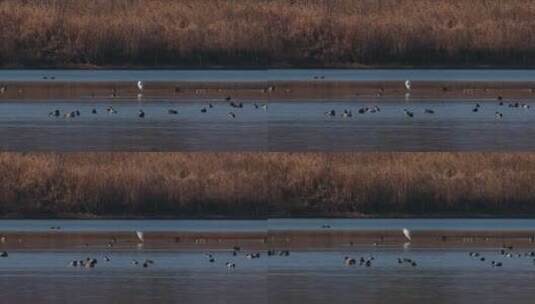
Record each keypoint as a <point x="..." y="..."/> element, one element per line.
<point x="408" y="85"/>
<point x="140" y="235"/>
<point x="140" y="85"/>
<point x="407" y="233"/>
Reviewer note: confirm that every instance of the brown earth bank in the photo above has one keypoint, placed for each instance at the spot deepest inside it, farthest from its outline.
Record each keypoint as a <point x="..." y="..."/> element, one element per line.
<point x="266" y="33"/>
<point x="260" y="185"/>
<point x="272" y="90"/>
<point x="273" y="239"/>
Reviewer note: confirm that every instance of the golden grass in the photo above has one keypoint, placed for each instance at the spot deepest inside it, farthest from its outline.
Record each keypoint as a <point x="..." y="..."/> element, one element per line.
<point x="266" y="32"/>
<point x="266" y="184"/>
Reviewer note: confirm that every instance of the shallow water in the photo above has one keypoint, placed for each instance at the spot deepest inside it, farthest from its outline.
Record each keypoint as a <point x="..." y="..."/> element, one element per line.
<point x="441" y="276"/>
<point x="270" y="224"/>
<point x="285" y="126"/>
<point x="270" y="75"/>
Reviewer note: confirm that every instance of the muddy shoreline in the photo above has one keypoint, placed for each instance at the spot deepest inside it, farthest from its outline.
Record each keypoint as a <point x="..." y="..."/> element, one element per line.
<point x="276" y="239"/>
<point x="263" y="90"/>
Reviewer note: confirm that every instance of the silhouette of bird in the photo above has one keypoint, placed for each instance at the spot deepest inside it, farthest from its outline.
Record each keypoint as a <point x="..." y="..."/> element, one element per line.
<point x="232" y="114"/>
<point x="408" y="113"/>
<point x="172" y="111"/>
<point x="429" y="111"/>
<point x="55" y="113"/>
<point x="350" y="261"/>
<point x="230" y="265"/>
<point x="141" y="114"/>
<point x="111" y="110"/>
<point x="331" y="113"/>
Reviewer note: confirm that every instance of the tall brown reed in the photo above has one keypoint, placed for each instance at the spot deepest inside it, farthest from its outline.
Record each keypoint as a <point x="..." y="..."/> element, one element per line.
<point x="266" y="184"/>
<point x="266" y="32"/>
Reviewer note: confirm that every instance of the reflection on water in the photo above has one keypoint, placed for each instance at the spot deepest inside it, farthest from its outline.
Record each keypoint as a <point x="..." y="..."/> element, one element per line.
<point x="269" y="75"/>
<point x="441" y="276"/>
<point x="285" y="126"/>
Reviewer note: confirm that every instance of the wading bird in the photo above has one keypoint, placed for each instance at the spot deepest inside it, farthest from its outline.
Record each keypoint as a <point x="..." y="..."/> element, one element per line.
<point x="408" y="85"/>
<point x="406" y="233"/>
<point x="139" y="235"/>
<point x="140" y="85"/>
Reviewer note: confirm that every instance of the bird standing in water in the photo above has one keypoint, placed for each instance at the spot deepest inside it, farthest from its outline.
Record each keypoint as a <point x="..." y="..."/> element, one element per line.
<point x="406" y="233"/>
<point x="408" y="85"/>
<point x="139" y="235"/>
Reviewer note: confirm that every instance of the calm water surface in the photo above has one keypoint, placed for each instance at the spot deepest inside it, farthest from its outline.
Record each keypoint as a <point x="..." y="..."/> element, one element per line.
<point x="442" y="276"/>
<point x="285" y="126"/>
<point x="269" y="75"/>
<point x="270" y="224"/>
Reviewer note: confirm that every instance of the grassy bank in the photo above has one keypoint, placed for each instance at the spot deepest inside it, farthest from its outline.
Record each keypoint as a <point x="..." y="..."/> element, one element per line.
<point x="243" y="33"/>
<point x="266" y="184"/>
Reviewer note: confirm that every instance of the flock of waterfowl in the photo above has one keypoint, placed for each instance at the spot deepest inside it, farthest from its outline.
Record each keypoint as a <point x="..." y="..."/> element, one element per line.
<point x="91" y="262"/>
<point x="57" y="113"/>
<point x="345" y="113"/>
<point x="236" y="251"/>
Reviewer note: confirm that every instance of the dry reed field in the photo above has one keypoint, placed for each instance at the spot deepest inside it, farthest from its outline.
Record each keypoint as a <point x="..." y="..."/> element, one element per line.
<point x="201" y="33"/>
<point x="266" y="184"/>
